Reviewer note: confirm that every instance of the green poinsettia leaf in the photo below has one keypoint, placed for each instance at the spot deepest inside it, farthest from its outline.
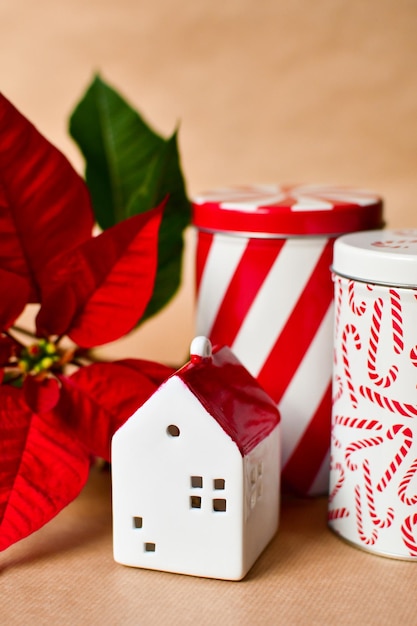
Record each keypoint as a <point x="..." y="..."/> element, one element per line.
<point x="129" y="170"/>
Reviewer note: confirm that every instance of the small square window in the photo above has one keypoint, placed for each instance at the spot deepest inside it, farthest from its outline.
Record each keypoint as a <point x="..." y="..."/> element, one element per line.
<point x="218" y="483"/>
<point x="137" y="522"/>
<point x="150" y="547"/>
<point x="219" y="504"/>
<point x="195" y="502"/>
<point x="196" y="482"/>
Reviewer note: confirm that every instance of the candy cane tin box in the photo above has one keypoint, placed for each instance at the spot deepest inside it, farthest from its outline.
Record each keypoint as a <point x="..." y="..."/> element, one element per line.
<point x="264" y="288"/>
<point x="373" y="477"/>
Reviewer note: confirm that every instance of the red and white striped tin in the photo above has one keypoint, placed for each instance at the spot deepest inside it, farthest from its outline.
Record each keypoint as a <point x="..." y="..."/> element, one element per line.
<point x="373" y="477"/>
<point x="264" y="288"/>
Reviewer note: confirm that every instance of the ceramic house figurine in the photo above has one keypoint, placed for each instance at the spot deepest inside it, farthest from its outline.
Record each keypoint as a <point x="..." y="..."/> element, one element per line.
<point x="196" y="471"/>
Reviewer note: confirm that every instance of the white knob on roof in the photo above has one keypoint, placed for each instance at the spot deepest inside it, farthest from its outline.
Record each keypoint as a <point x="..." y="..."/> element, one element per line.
<point x="200" y="347"/>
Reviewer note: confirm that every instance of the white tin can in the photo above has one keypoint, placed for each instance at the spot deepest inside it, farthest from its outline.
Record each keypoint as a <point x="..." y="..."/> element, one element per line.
<point x="373" y="476"/>
<point x="264" y="288"/>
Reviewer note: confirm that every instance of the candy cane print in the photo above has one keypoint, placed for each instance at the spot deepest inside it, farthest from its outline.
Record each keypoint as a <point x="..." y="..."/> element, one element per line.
<point x="376" y="520"/>
<point x="338" y="309"/>
<point x="359" y="521"/>
<point x="404" y="484"/>
<point x="353" y="422"/>
<point x="334" y="514"/>
<point x="394" y="244"/>
<point x="360" y="445"/>
<point x="400" y="455"/>
<point x="350" y="329"/>
<point x="400" y="408"/>
<point x="357" y="422"/>
<point x="335" y="441"/>
<point x="339" y="390"/>
<point x="407" y="533"/>
<point x="336" y="467"/>
<point x="413" y="356"/>
<point x="338" y="302"/>
<point x="355" y="308"/>
<point x="397" y="321"/>
<point x="384" y="381"/>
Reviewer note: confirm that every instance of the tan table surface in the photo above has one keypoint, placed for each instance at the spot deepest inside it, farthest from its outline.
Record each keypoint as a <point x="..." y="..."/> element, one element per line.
<point x="65" y="574"/>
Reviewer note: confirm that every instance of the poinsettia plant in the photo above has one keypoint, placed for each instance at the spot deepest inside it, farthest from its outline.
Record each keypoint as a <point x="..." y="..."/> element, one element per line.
<point x="58" y="408"/>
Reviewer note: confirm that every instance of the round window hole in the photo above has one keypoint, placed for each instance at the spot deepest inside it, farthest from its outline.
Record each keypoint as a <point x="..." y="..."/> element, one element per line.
<point x="173" y="431"/>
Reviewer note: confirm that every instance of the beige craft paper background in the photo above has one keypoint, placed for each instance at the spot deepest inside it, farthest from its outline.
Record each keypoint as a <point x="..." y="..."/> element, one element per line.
<point x="263" y="90"/>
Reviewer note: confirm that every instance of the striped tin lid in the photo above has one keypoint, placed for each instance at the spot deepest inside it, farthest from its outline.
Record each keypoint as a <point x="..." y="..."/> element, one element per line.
<point x="384" y="257"/>
<point x="287" y="210"/>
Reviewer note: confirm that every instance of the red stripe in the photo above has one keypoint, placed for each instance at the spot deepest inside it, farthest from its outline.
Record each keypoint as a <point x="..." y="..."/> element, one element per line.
<point x="203" y="248"/>
<point x="300" y="329"/>
<point x="254" y="266"/>
<point x="304" y="464"/>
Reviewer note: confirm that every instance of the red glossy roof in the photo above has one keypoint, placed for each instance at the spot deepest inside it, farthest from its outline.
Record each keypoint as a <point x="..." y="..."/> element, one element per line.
<point x="232" y="396"/>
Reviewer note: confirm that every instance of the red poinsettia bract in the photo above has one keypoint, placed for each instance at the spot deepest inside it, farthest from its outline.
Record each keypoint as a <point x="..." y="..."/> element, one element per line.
<point x="54" y="419"/>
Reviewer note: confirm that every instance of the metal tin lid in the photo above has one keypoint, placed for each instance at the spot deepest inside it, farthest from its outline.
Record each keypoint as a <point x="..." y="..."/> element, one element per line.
<point x="288" y="210"/>
<point x="386" y="257"/>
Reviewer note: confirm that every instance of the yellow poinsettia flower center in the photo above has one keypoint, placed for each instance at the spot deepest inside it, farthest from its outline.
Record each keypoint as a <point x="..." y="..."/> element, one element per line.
<point x="38" y="357"/>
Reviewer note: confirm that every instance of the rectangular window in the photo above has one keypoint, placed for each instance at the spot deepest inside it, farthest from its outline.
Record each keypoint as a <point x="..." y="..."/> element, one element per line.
<point x="150" y="547"/>
<point x="196" y="482"/>
<point x="137" y="522"/>
<point x="219" y="504"/>
<point x="195" y="502"/>
<point x="219" y="483"/>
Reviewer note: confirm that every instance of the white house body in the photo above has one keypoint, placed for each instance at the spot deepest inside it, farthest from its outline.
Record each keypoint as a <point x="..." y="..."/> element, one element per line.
<point x="188" y="495"/>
